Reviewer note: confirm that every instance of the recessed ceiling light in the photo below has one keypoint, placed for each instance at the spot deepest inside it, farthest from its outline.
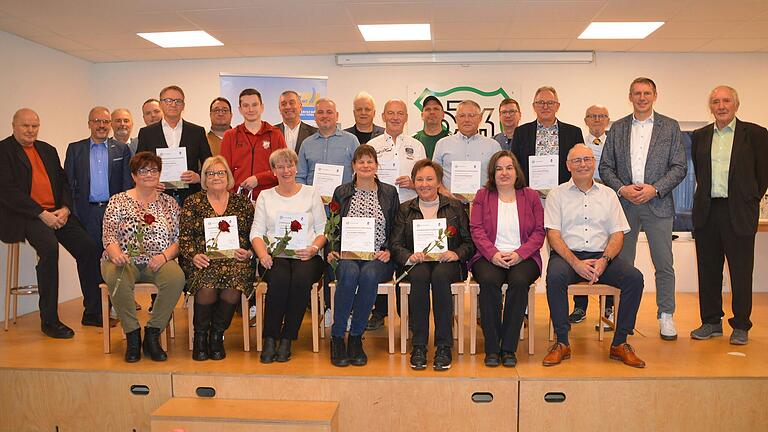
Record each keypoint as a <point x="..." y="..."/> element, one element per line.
<point x="181" y="39"/>
<point x="620" y="30"/>
<point x="395" y="32"/>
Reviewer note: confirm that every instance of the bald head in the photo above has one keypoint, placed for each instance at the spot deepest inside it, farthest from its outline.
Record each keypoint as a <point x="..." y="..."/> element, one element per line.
<point x="26" y="124"/>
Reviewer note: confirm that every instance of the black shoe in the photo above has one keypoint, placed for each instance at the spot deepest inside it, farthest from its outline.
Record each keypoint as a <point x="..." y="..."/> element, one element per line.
<point x="216" y="345"/>
<point x="57" y="330"/>
<point x="200" y="346"/>
<point x="442" y="360"/>
<point x="578" y="315"/>
<point x="268" y="354"/>
<point x="492" y="360"/>
<point x="92" y="320"/>
<point x="283" y="351"/>
<point x="508" y="359"/>
<point x="201" y="325"/>
<point x="222" y="318"/>
<point x="375" y="322"/>
<point x="133" y="346"/>
<point x="152" y="346"/>
<point x="355" y="351"/>
<point x="339" y="352"/>
<point x="419" y="357"/>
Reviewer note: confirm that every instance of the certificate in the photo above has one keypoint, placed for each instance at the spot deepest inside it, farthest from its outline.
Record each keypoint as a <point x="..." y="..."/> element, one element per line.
<point x="327" y="178"/>
<point x="221" y="236"/>
<point x="425" y="234"/>
<point x="174" y="164"/>
<point x="358" y="238"/>
<point x="543" y="171"/>
<point x="465" y="179"/>
<point x="389" y="171"/>
<point x="298" y="239"/>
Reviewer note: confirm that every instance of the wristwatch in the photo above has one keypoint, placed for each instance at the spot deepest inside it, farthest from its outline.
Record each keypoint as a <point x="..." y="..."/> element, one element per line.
<point x="607" y="259"/>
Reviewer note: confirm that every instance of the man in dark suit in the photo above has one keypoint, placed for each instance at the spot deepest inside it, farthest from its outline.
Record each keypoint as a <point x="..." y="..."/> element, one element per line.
<point x="364" y="110"/>
<point x="643" y="161"/>
<point x="173" y="132"/>
<point x="34" y="206"/>
<point x="294" y="130"/>
<point x="546" y="135"/>
<point x="730" y="159"/>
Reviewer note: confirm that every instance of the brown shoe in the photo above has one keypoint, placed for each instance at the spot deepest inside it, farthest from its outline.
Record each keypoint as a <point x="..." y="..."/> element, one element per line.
<point x="557" y="353"/>
<point x="626" y="354"/>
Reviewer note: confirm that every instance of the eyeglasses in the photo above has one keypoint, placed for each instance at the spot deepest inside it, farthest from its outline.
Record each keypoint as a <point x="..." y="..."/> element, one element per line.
<point x="220" y="111"/>
<point x="171" y="101"/>
<point x="549" y="103"/>
<point x="597" y="116"/>
<point x="580" y="160"/>
<point x="100" y="121"/>
<point x="508" y="112"/>
<point x="147" y="171"/>
<point x="221" y="173"/>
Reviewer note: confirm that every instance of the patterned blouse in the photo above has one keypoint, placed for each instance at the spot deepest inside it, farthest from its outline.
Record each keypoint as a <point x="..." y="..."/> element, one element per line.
<point x="123" y="217"/>
<point x="365" y="203"/>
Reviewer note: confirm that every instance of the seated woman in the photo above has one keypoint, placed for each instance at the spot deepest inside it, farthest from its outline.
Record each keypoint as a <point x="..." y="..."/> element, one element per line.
<point x="507" y="225"/>
<point x="357" y="280"/>
<point x="216" y="281"/>
<point x="289" y="279"/>
<point x="449" y="267"/>
<point x="141" y="239"/>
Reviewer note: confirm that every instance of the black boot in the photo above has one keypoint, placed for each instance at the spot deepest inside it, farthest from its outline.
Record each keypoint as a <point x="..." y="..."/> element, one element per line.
<point x="152" y="346"/>
<point x="202" y="324"/>
<point x="283" y="351"/>
<point x="339" y="352"/>
<point x="355" y="351"/>
<point x="133" y="346"/>
<point x="268" y="354"/>
<point x="222" y="318"/>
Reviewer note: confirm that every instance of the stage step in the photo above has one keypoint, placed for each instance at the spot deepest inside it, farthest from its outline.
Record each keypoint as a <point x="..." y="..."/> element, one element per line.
<point x="236" y="415"/>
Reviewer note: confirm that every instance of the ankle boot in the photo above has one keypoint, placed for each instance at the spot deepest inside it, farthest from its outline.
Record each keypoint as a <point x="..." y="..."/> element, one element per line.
<point x="202" y="324"/>
<point x="268" y="353"/>
<point x="355" y="351"/>
<point x="339" y="352"/>
<point x="152" y="346"/>
<point x="283" y="351"/>
<point x="222" y="318"/>
<point x="133" y="346"/>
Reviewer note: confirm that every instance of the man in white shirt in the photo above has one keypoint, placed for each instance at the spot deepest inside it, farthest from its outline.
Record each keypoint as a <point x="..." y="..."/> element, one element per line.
<point x="585" y="229"/>
<point x="294" y="130"/>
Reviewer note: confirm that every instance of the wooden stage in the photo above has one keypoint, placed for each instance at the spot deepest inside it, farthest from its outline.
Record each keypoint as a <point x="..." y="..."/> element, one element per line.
<point x="71" y="385"/>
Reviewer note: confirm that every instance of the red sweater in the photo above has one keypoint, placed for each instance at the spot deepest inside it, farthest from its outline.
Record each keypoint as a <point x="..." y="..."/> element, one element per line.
<point x="248" y="154"/>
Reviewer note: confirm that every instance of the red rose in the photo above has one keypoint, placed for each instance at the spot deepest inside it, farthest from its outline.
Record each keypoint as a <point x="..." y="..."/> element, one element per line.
<point x="295" y="226"/>
<point x="149" y="219"/>
<point x="334" y="206"/>
<point x="223" y="226"/>
<point x="450" y="231"/>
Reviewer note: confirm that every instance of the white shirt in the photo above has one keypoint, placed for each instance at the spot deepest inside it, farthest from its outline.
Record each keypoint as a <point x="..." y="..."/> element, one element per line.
<point x="270" y="204"/>
<point x="291" y="135"/>
<point x="507" y="227"/>
<point x="406" y="149"/>
<point x="585" y="220"/>
<point x="462" y="148"/>
<point x="640" y="140"/>
<point x="172" y="135"/>
<point x="597" y="149"/>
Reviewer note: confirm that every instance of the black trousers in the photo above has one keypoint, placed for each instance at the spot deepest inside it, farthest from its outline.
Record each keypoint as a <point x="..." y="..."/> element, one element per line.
<point x="439" y="277"/>
<point x="290" y="284"/>
<point x="715" y="242"/>
<point x="79" y="244"/>
<point x="93" y="221"/>
<point x="502" y="331"/>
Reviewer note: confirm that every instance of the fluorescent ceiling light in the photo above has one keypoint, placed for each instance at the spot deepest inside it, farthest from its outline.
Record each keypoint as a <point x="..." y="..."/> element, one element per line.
<point x="620" y="30"/>
<point x="181" y="39"/>
<point x="395" y="32"/>
<point x="468" y="58"/>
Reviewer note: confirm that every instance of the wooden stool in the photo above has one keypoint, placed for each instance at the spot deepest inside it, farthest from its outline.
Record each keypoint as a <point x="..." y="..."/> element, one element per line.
<point x="12" y="288"/>
<point x="602" y="291"/>
<point x="387" y="288"/>
<point x="147" y="288"/>
<point x="190" y="305"/>
<point x="474" y="293"/>
<point x="457" y="291"/>
<point x="317" y="310"/>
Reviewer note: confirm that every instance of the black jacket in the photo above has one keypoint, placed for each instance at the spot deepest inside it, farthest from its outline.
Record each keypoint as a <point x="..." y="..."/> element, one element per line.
<point x="388" y="200"/>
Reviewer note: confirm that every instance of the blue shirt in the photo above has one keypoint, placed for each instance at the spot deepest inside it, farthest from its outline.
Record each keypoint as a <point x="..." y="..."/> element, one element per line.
<point x="461" y="148"/>
<point x="99" y="162"/>
<point x="504" y="142"/>
<point x="337" y="149"/>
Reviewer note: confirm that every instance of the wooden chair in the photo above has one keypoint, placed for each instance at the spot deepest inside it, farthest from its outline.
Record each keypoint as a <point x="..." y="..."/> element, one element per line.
<point x="317" y="312"/>
<point x="387" y="288"/>
<point x="457" y="290"/>
<point x="602" y="291"/>
<point x="146" y="288"/>
<point x="12" y="288"/>
<point x="190" y="305"/>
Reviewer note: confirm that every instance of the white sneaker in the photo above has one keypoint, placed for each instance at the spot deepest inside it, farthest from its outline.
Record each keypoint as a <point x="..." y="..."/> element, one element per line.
<point x="112" y="313"/>
<point x="328" y="319"/>
<point x="609" y="316"/>
<point x="667" y="327"/>
<point x="252" y="312"/>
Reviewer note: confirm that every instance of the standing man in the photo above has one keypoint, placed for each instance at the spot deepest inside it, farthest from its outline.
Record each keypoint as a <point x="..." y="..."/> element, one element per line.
<point x="34" y="206"/>
<point x="509" y="115"/>
<point x="294" y="130"/>
<point x="730" y="159"/>
<point x="221" y="119"/>
<point x="122" y="126"/>
<point x="151" y="111"/>
<point x="174" y="132"/>
<point x="364" y="110"/>
<point x="328" y="145"/>
<point x="643" y="160"/>
<point x="432" y="114"/>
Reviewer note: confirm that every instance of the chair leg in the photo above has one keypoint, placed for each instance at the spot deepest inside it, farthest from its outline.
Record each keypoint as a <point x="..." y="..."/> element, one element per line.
<point x="259" y="318"/>
<point x="8" y="266"/>
<point x="321" y="298"/>
<point x="459" y="313"/>
<point x="313" y="300"/>
<point x="246" y="323"/>
<point x="600" y="318"/>
<point x="391" y="311"/>
<point x="531" y="317"/>
<point x="474" y="291"/>
<point x="405" y="291"/>
<point x="15" y="280"/>
<point x="104" y="317"/>
<point x="190" y="317"/>
<point x="172" y="328"/>
<point x="164" y="337"/>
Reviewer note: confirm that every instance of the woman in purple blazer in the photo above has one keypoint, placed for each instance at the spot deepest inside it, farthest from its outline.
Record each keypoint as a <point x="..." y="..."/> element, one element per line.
<point x="507" y="226"/>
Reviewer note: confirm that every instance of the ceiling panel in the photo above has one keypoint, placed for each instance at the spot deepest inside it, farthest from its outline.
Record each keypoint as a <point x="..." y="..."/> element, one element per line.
<point x="532" y="29"/>
<point x="534" y="44"/>
<point x="661" y="44"/>
<point x="713" y="10"/>
<point x="226" y="19"/>
<point x="267" y="50"/>
<point x="467" y="45"/>
<point x="601" y="45"/>
<point x="690" y="29"/>
<point x="648" y="10"/>
<point x="481" y="30"/>
<point x="390" y="13"/>
<point x="733" y="45"/>
<point x="754" y="29"/>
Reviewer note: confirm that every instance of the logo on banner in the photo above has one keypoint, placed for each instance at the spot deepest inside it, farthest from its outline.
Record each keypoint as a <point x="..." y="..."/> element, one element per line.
<point x="308" y="100"/>
<point x="488" y="101"/>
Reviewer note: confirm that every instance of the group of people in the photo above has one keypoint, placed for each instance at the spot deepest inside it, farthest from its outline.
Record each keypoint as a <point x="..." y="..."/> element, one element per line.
<point x="109" y="209"/>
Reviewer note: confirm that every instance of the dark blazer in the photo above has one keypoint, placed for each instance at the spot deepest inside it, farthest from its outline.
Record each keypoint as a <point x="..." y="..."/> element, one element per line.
<point x="17" y="208"/>
<point x="450" y="209"/>
<point x="747" y="175"/>
<point x="192" y="138"/>
<point x="388" y="200"/>
<point x="77" y="166"/>
<point x="377" y="130"/>
<point x="305" y="130"/>
<point x="524" y="145"/>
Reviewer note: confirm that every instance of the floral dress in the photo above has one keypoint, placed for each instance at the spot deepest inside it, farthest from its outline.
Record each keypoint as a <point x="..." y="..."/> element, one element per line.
<point x="224" y="273"/>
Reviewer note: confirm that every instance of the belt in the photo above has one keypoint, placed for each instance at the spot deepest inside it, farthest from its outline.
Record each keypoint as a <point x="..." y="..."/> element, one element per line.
<point x="98" y="204"/>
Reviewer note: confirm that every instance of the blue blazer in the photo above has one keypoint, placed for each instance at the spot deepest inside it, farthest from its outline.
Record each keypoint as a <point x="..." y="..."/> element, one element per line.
<point x="77" y="166"/>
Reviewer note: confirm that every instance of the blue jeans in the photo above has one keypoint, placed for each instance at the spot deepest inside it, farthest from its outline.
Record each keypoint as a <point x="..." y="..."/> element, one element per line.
<point x="357" y="282"/>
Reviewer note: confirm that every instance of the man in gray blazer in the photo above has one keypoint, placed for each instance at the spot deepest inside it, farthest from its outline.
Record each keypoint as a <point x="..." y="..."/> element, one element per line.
<point x="294" y="130"/>
<point x="643" y="161"/>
